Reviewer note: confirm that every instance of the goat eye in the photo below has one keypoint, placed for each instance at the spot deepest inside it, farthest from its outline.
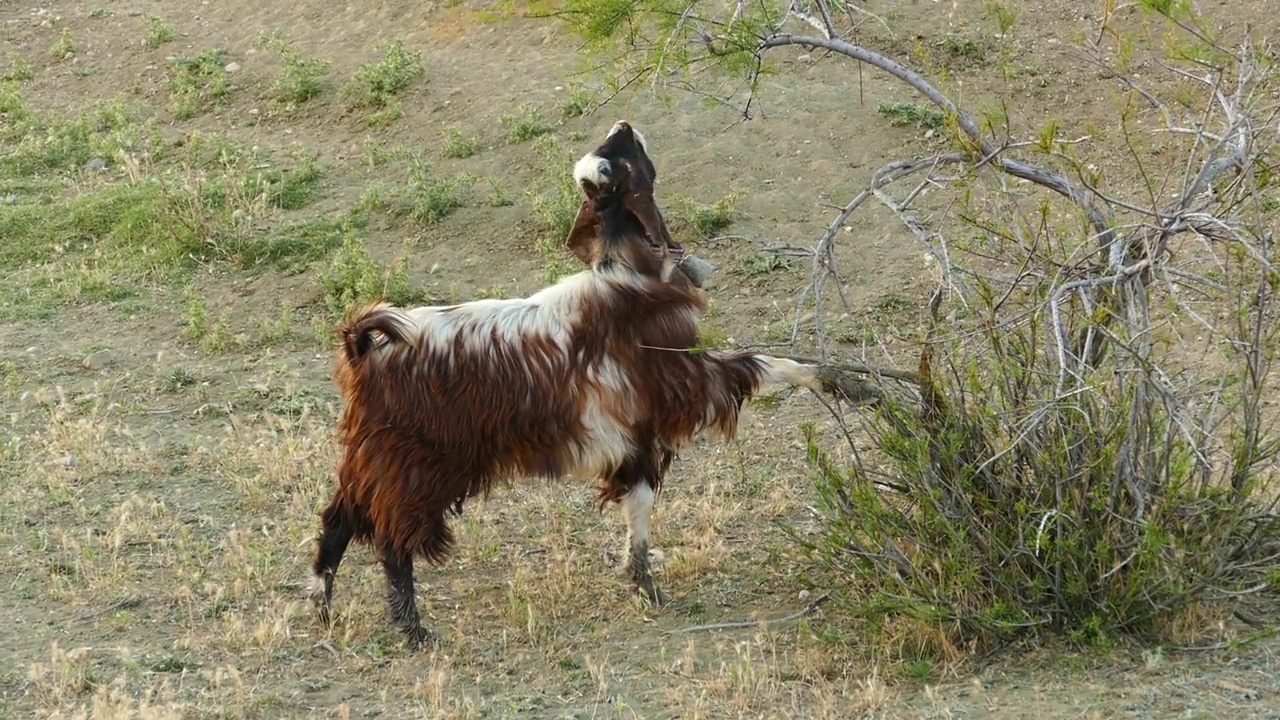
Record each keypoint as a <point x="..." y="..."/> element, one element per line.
<point x="605" y="169"/>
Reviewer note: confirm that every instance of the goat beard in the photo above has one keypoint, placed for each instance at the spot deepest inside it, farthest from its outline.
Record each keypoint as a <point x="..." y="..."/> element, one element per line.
<point x="677" y="254"/>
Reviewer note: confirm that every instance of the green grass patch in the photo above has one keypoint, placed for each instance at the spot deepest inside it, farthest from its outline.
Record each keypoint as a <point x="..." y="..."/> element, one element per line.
<point x="35" y="145"/>
<point x="906" y="114"/>
<point x="703" y="220"/>
<point x="18" y="69"/>
<point x="376" y="84"/>
<point x="301" y="78"/>
<point x="458" y="146"/>
<point x="158" y="33"/>
<point x="128" y="223"/>
<point x="425" y="196"/>
<point x="525" y="124"/>
<point x="554" y="207"/>
<point x="197" y="83"/>
<point x="353" y="277"/>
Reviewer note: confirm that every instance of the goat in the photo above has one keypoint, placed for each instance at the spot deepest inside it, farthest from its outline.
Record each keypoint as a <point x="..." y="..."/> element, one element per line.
<point x="591" y="377"/>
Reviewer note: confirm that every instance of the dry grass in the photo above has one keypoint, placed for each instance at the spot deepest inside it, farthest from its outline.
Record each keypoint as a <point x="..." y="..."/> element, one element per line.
<point x="201" y="547"/>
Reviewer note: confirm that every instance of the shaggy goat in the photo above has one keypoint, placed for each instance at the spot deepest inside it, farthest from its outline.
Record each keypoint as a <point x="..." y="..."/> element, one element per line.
<point x="589" y="377"/>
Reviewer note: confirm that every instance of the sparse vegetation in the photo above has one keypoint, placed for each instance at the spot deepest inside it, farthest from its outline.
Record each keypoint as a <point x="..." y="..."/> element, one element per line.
<point x="158" y="33"/>
<point x="18" y="69"/>
<point x="197" y="82"/>
<point x="526" y="124"/>
<point x="376" y="84"/>
<point x="1003" y="16"/>
<point x="498" y="197"/>
<point x="65" y="47"/>
<point x="426" y="197"/>
<point x="353" y="278"/>
<point x="903" y="114"/>
<point x="133" y="231"/>
<point x="704" y="220"/>
<point x="301" y="78"/>
<point x="459" y="146"/>
<point x="554" y="206"/>
<point x="579" y="102"/>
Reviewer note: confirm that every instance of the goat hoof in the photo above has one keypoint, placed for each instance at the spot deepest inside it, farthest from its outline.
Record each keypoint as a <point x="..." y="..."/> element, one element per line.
<point x="420" y="638"/>
<point x="322" y="615"/>
<point x="320" y="606"/>
<point x="655" y="595"/>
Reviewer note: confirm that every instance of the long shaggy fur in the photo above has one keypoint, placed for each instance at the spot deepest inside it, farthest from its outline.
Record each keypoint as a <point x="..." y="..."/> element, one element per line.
<point x="595" y="376"/>
<point x="441" y="403"/>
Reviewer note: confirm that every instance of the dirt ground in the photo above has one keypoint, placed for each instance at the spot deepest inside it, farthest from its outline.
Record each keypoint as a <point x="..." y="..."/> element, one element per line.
<point x="160" y="490"/>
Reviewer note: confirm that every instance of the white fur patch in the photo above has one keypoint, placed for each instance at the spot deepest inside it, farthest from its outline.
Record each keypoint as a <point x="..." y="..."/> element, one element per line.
<point x="607" y="441"/>
<point x="637" y="506"/>
<point x="550" y="312"/>
<point x="592" y="167"/>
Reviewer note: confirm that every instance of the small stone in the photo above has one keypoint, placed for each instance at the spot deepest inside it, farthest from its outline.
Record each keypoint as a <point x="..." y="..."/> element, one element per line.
<point x="67" y="461"/>
<point x="11" y="199"/>
<point x="96" y="164"/>
<point x="804" y="595"/>
<point x="806" y="58"/>
<point x="232" y="67"/>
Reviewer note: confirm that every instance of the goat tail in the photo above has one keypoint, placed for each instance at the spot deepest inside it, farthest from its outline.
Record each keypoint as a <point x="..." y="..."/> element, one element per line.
<point x="390" y="321"/>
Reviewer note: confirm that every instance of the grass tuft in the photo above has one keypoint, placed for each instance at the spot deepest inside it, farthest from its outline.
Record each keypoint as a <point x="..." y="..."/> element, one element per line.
<point x="353" y="278"/>
<point x="376" y="84"/>
<point x="458" y="146"/>
<point x="554" y="207"/>
<point x="525" y="125"/>
<point x="904" y="114"/>
<point x="197" y="83"/>
<point x="158" y="33"/>
<point x="302" y="78"/>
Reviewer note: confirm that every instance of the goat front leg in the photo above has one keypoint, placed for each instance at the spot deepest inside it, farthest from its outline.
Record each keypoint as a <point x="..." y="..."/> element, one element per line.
<point x="637" y="508"/>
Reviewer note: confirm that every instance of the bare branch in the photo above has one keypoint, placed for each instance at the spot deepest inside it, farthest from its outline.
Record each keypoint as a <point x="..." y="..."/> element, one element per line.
<point x="1099" y="218"/>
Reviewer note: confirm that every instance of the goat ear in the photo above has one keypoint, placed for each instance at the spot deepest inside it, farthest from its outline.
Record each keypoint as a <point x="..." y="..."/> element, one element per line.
<point x="641" y="204"/>
<point x="586" y="229"/>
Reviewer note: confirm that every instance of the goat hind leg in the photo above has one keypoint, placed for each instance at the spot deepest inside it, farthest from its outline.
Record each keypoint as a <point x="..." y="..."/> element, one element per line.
<point x="336" y="530"/>
<point x="397" y="565"/>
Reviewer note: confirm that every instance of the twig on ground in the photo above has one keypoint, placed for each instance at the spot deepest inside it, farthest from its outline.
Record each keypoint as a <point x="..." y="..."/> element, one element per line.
<point x="813" y="605"/>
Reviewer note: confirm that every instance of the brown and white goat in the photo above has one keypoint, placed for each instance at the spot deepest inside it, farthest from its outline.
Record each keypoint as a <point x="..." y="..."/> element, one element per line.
<point x="589" y="377"/>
